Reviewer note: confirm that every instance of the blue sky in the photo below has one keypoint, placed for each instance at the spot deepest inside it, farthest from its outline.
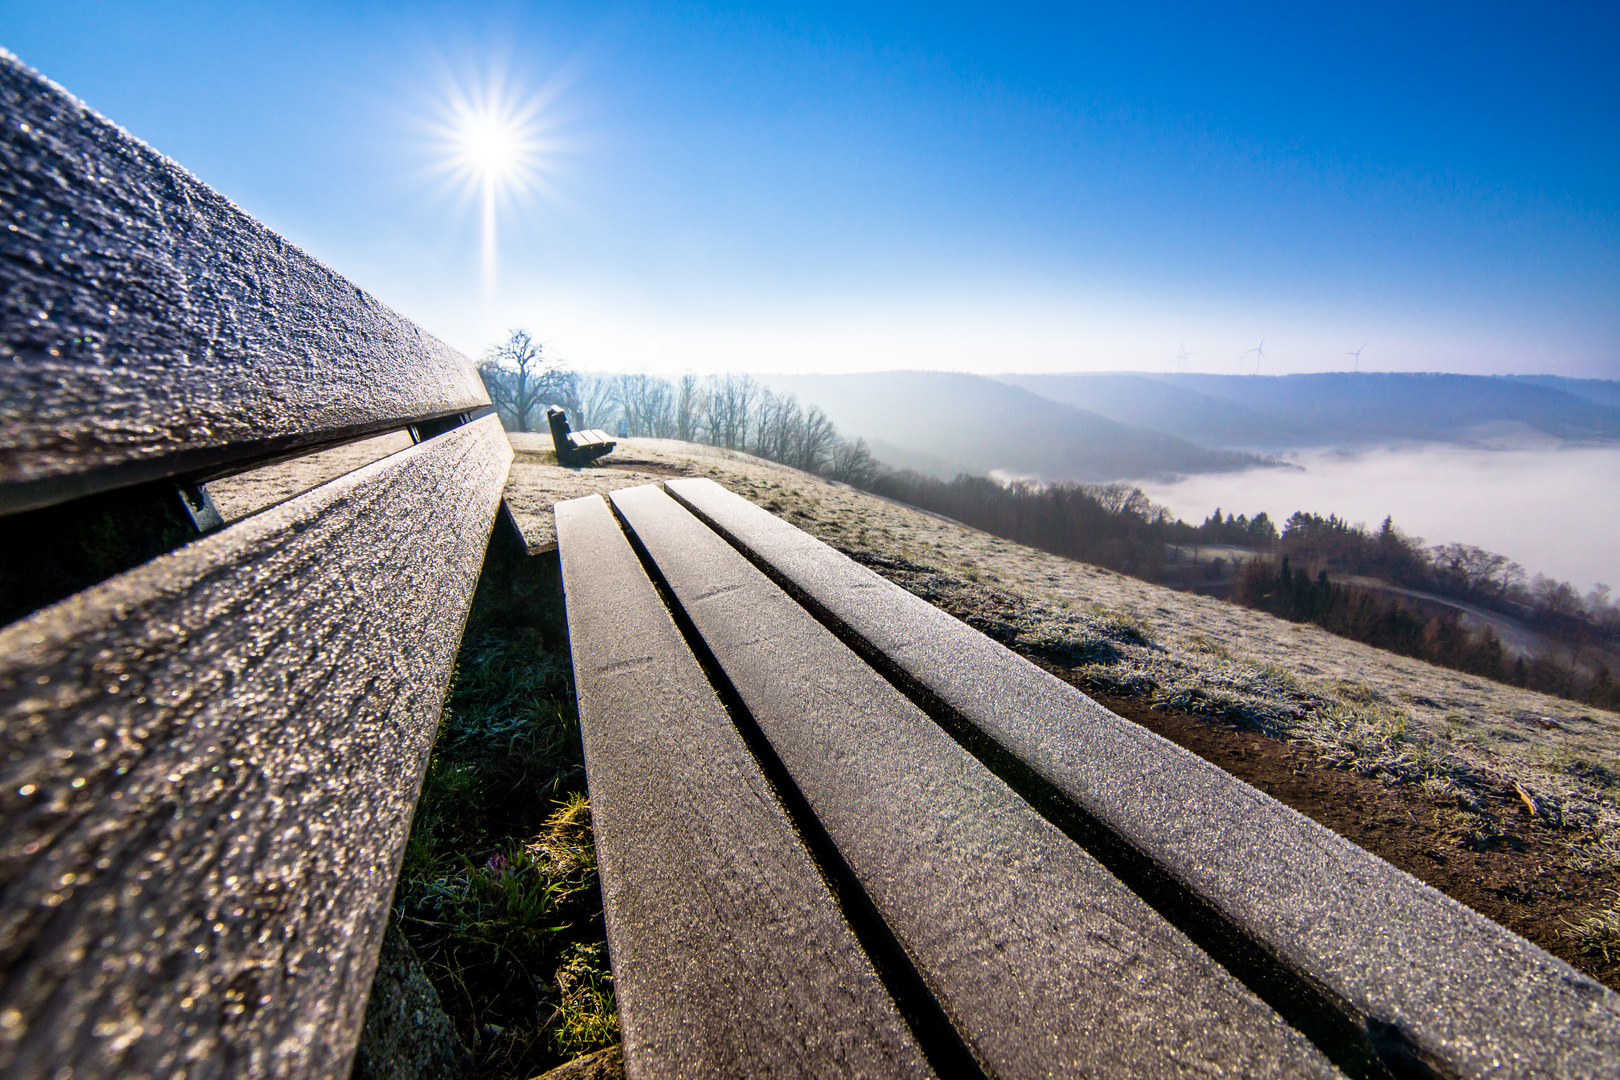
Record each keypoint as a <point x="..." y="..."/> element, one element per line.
<point x="975" y="188"/>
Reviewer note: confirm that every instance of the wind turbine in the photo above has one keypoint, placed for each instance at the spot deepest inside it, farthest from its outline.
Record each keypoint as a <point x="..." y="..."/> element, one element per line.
<point x="1184" y="356"/>
<point x="1357" y="355"/>
<point x="1259" y="352"/>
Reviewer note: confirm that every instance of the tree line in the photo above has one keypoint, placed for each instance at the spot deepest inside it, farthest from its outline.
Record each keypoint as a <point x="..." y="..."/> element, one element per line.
<point x="731" y="411"/>
<point x="1116" y="526"/>
<point x="1113" y="525"/>
<point x="1361" y="614"/>
<point x="1459" y="571"/>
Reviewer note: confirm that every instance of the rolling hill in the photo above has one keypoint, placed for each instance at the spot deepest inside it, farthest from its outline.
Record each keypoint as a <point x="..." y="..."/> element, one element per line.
<point x="943" y="423"/>
<point x="1273" y="412"/>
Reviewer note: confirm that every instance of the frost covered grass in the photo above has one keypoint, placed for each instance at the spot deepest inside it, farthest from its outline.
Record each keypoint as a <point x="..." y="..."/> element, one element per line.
<point x="1599" y="932"/>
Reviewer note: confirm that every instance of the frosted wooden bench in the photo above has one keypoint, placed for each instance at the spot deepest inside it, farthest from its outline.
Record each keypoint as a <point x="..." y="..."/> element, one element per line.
<point x="576" y="447"/>
<point x="1066" y="893"/>
<point x="210" y="745"/>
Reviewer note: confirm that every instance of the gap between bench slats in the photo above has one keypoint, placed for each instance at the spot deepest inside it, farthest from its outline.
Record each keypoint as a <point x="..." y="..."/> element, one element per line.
<point x="207" y="772"/>
<point x="730" y="956"/>
<point x="1047" y="964"/>
<point x="151" y="328"/>
<point x="1432" y="984"/>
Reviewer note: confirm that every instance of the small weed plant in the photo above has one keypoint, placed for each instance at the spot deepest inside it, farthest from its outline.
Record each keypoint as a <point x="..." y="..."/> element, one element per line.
<point x="1599" y="932"/>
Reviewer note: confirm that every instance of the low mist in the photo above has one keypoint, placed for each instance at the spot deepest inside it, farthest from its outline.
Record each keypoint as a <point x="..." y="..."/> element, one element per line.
<point x="1554" y="509"/>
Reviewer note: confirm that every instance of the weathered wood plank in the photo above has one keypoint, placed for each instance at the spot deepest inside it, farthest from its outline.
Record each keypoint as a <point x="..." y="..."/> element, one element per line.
<point x="730" y="957"/>
<point x="1047" y="964"/>
<point x="207" y="772"/>
<point x="150" y="328"/>
<point x="1428" y="983"/>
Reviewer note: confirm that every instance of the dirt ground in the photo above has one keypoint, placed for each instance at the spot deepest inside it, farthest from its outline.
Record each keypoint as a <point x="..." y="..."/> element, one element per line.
<point x="1520" y="876"/>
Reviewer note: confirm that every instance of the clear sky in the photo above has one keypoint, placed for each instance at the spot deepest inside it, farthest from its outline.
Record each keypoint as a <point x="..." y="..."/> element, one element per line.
<point x="991" y="188"/>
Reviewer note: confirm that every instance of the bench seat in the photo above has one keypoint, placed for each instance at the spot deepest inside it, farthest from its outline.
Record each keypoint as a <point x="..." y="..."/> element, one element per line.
<point x="730" y="956"/>
<point x="1375" y="965"/>
<point x="575" y="448"/>
<point x="1048" y="965"/>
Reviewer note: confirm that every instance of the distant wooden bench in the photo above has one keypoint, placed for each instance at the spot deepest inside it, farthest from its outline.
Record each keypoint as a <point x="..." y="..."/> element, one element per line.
<point x="1040" y="887"/>
<point x="576" y="447"/>
<point x="211" y="757"/>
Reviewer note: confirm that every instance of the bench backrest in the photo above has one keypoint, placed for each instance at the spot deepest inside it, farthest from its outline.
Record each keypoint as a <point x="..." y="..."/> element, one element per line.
<point x="560" y="431"/>
<point x="209" y="759"/>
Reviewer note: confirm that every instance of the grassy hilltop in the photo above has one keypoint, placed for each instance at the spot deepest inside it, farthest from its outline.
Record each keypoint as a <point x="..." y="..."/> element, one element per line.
<point x="1505" y="799"/>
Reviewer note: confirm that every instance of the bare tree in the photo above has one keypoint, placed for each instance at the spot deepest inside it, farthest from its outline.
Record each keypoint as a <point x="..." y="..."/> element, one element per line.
<point x="1121" y="499"/>
<point x="691" y="406"/>
<point x="731" y="407"/>
<point x="1470" y="570"/>
<point x="519" y="379"/>
<point x="776" y="420"/>
<point x="817" y="437"/>
<point x="649" y="405"/>
<point x="594" y="403"/>
<point x="1555" y="598"/>
<point x="852" y="463"/>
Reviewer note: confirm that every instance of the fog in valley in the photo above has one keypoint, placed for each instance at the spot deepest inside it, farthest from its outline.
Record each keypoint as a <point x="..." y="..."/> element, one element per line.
<point x="1553" y="508"/>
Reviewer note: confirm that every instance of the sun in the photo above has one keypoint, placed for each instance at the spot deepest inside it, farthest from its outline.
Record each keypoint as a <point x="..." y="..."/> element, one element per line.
<point x="493" y="146"/>
<point x="493" y="142"/>
<point x="495" y="150"/>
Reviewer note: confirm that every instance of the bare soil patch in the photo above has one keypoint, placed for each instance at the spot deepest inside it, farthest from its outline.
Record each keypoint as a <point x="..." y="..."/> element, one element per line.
<point x="644" y="466"/>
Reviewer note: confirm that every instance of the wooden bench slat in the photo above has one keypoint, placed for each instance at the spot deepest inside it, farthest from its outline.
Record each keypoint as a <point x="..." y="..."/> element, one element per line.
<point x="207" y="772"/>
<point x="1048" y="965"/>
<point x="150" y="328"/>
<point x="1424" y="977"/>
<point x="730" y="956"/>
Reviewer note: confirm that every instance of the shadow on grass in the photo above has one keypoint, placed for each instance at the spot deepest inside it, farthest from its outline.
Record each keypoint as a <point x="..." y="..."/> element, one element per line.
<point x="498" y="892"/>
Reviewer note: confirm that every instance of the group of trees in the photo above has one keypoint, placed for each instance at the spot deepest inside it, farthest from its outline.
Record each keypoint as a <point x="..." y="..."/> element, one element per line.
<point x="1113" y="525"/>
<point x="1289" y="591"/>
<point x="1458" y="571"/>
<point x="730" y="411"/>
<point x="1259" y="534"/>
<point x="1440" y="637"/>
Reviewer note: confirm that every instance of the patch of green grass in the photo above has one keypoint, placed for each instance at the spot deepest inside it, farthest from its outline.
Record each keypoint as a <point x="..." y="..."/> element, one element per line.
<point x="498" y="892"/>
<point x="587" y="1017"/>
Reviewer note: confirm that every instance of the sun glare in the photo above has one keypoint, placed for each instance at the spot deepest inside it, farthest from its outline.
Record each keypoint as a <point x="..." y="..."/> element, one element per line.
<point x="492" y="148"/>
